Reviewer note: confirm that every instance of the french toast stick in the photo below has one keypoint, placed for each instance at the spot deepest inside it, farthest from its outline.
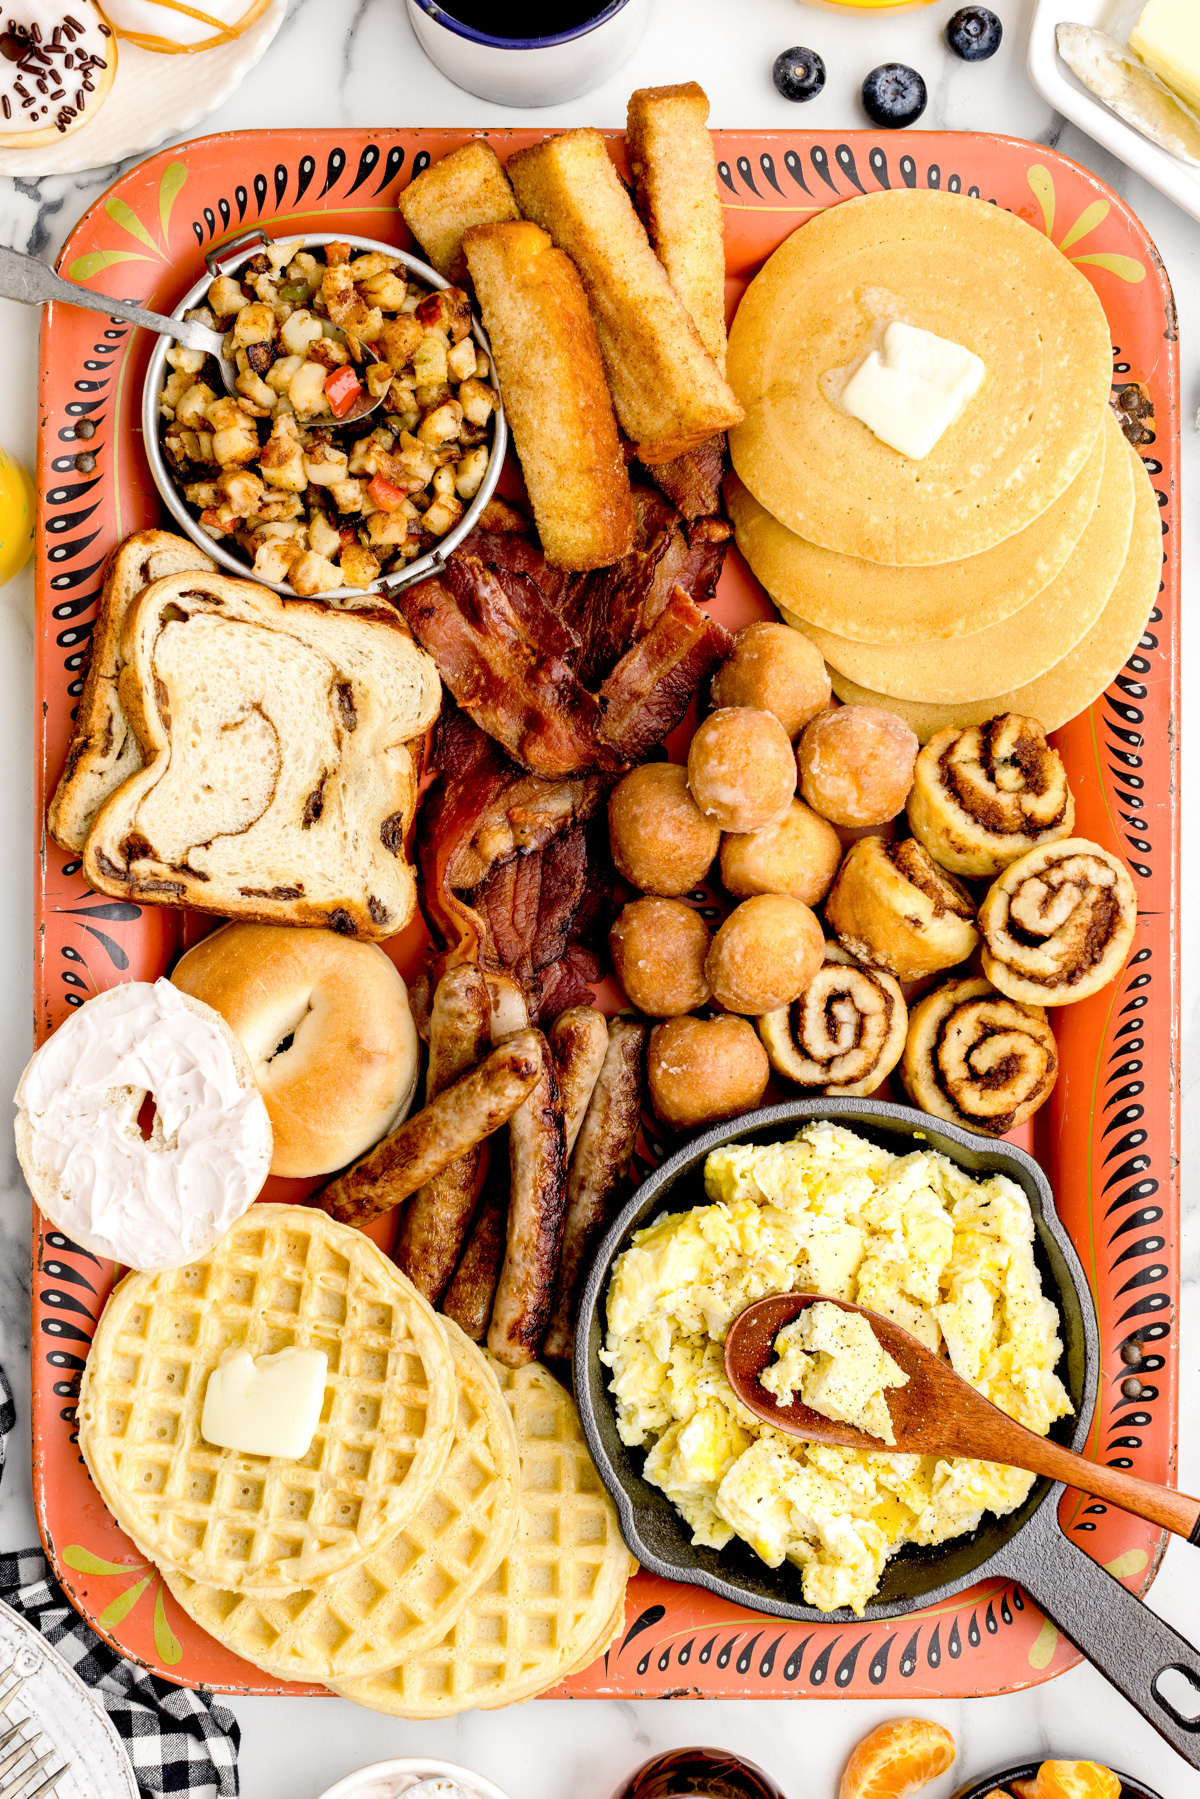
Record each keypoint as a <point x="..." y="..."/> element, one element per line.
<point x="674" y="171"/>
<point x="555" y="395"/>
<point x="467" y="187"/>
<point x="668" y="392"/>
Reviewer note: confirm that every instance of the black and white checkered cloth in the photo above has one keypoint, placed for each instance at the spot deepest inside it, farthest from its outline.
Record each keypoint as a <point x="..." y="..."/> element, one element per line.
<point x="178" y="1741"/>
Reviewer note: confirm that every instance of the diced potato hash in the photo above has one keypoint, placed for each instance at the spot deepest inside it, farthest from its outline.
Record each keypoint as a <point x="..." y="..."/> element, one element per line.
<point x="310" y="502"/>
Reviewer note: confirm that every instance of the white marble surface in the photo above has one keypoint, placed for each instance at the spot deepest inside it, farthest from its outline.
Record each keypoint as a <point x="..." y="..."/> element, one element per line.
<point x="341" y="62"/>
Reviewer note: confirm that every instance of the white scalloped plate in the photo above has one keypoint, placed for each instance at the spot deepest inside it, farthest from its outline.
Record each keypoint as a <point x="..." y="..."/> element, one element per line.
<point x="1055" y="82"/>
<point x="71" y="1718"/>
<point x="152" y="98"/>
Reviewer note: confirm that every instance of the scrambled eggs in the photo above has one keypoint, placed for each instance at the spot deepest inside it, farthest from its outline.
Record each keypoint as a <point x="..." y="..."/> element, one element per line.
<point x="831" y="1361"/>
<point x="948" y="1257"/>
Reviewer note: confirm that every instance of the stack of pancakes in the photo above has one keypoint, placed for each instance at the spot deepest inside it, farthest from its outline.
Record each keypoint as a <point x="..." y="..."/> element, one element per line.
<point x="445" y="1542"/>
<point x="1010" y="570"/>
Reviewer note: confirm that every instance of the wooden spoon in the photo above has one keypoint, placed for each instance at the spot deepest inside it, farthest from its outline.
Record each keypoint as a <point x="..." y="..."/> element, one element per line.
<point x="936" y="1413"/>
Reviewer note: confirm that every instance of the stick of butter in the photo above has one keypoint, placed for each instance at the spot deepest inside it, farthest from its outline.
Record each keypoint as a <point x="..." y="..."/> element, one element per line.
<point x="1167" y="36"/>
<point x="914" y="391"/>
<point x="269" y="1405"/>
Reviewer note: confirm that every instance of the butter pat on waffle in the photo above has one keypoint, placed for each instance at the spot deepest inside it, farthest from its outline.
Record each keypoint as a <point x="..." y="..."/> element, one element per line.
<point x="409" y="1592"/>
<point x="285" y="1275"/>
<point x="553" y="1604"/>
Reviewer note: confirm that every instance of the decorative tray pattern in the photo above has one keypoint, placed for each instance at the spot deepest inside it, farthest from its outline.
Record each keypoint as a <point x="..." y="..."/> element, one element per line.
<point x="1108" y="1138"/>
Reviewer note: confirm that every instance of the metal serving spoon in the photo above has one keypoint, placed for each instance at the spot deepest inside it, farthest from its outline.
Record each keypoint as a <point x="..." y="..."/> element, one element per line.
<point x="26" y="279"/>
<point x="936" y="1413"/>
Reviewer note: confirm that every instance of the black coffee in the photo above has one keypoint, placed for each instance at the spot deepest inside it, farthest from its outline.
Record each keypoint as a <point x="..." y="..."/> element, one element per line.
<point x="511" y="19"/>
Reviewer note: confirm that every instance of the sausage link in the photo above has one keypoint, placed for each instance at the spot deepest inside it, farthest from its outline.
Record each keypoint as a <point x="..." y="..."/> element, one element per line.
<point x="436" y="1222"/>
<point x="578" y="1040"/>
<point x="599" y="1171"/>
<point x="476" y="1105"/>
<point x="536" y="1213"/>
<point x="471" y="1293"/>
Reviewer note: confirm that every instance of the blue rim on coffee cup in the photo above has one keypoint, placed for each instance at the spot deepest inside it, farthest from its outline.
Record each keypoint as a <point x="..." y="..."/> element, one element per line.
<point x="531" y="71"/>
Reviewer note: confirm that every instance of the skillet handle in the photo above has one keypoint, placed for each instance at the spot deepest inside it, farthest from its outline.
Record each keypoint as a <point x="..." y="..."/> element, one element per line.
<point x="1129" y="1643"/>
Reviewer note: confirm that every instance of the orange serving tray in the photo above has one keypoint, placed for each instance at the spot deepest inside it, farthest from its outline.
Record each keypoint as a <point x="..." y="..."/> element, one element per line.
<point x="1108" y="1137"/>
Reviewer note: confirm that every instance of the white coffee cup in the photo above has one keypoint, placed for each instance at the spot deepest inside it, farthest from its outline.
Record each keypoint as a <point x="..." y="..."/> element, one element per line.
<point x="392" y="1779"/>
<point x="537" y="71"/>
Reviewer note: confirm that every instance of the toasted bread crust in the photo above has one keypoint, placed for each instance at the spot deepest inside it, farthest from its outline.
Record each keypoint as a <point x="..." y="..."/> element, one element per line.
<point x="555" y="395"/>
<point x="467" y="187"/>
<point x="103" y="753"/>
<point x="668" y="392"/>
<point x="674" y="171"/>
<point x="354" y="715"/>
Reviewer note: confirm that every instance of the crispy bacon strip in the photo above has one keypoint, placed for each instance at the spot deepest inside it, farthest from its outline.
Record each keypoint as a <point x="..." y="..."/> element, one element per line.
<point x="648" y="691"/>
<point x="693" y="481"/>
<point x="504" y="655"/>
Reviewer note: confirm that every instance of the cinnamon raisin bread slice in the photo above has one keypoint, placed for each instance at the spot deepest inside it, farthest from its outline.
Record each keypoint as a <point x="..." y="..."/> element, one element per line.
<point x="278" y="781"/>
<point x="104" y="750"/>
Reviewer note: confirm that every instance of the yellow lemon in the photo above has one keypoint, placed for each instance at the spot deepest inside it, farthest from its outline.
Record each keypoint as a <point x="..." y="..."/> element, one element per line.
<point x="16" y="517"/>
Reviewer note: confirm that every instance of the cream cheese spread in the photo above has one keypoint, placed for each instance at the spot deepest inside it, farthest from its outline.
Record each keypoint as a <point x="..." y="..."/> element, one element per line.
<point x="147" y="1202"/>
<point x="265" y="1405"/>
<point x="912" y="390"/>
<point x="831" y="1361"/>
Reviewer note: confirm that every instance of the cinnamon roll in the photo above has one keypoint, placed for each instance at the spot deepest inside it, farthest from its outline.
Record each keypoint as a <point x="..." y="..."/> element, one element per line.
<point x="844" y="1034"/>
<point x="983" y="796"/>
<point x="977" y="1058"/>
<point x="1058" y="923"/>
<point x="894" y="908"/>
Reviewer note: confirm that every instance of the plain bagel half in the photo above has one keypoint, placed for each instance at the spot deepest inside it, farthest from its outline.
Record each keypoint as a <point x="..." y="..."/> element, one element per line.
<point x="326" y="1024"/>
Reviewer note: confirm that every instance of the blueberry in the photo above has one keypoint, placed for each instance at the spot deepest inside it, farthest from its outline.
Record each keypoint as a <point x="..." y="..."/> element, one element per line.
<point x="799" y="74"/>
<point x="894" y="95"/>
<point x="974" y="33"/>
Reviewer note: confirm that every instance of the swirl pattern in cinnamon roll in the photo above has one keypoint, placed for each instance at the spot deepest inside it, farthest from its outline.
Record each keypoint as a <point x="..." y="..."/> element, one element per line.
<point x="894" y="908"/>
<point x="1058" y="923"/>
<point x="844" y="1034"/>
<point x="977" y="1058"/>
<point x="983" y="796"/>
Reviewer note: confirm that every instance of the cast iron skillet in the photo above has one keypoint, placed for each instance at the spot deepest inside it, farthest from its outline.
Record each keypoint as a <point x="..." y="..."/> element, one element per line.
<point x="984" y="1788"/>
<point x="1123" y="1637"/>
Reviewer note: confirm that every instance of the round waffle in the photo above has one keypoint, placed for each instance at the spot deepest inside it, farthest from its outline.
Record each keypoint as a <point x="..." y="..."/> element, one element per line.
<point x="556" y="1600"/>
<point x="284" y="1275"/>
<point x="408" y="1593"/>
<point x="966" y="271"/>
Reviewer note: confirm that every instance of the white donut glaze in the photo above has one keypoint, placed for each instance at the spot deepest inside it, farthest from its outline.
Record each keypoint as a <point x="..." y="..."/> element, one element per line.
<point x="49" y="69"/>
<point x="170" y="25"/>
<point x="149" y="1203"/>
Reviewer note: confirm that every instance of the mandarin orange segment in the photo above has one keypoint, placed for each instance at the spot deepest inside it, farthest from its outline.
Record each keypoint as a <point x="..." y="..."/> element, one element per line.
<point x="1024" y="1789"/>
<point x="1076" y="1780"/>
<point x="897" y="1758"/>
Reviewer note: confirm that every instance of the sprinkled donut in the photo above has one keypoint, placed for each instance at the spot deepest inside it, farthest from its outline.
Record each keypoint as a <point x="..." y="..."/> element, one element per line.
<point x="149" y="1202"/>
<point x="57" y="65"/>
<point x="171" y="27"/>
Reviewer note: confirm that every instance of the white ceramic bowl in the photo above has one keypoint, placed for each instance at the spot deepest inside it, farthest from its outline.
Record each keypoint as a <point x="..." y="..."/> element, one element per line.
<point x="388" y="1780"/>
<point x="538" y="71"/>
<point x="226" y="260"/>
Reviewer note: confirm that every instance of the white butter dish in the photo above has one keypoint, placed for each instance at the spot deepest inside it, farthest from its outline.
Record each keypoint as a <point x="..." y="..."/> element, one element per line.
<point x="1055" y="82"/>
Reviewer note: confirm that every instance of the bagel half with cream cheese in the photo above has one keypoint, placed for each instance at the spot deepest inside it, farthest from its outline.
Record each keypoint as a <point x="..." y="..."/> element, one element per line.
<point x="325" y="1022"/>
